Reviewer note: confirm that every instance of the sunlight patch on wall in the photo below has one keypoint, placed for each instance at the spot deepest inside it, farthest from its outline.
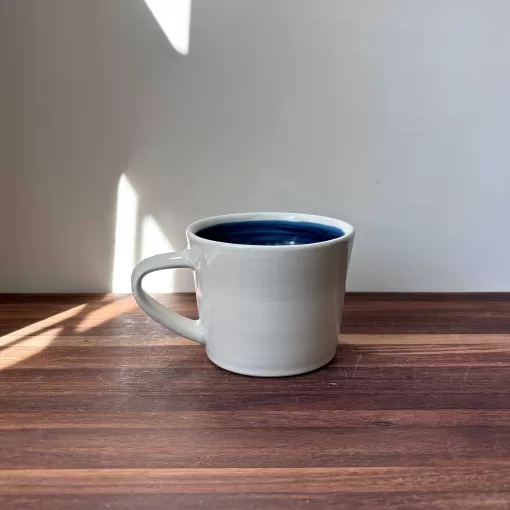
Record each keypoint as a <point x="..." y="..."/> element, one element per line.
<point x="174" y="18"/>
<point x="154" y="242"/>
<point x="134" y="241"/>
<point x="124" y="257"/>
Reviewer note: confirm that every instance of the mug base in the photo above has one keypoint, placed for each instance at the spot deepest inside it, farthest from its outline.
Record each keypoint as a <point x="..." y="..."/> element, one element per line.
<point x="273" y="372"/>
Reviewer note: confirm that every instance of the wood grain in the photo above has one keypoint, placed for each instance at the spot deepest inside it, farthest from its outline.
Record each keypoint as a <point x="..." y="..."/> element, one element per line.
<point x="100" y="407"/>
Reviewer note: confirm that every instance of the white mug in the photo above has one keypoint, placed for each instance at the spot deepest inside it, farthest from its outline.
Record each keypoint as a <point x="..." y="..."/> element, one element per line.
<point x="264" y="309"/>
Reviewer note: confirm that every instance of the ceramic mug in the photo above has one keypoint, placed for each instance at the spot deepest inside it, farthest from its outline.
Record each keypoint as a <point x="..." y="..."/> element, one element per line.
<point x="270" y="290"/>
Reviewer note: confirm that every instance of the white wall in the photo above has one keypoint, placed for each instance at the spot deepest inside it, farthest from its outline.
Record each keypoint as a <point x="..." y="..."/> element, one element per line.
<point x="391" y="114"/>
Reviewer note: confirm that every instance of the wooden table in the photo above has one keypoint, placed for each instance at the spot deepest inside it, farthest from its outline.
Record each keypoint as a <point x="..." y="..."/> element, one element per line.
<point x="101" y="408"/>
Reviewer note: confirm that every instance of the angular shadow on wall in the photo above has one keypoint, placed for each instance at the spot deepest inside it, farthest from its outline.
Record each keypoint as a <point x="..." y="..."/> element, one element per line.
<point x="102" y="94"/>
<point x="87" y="77"/>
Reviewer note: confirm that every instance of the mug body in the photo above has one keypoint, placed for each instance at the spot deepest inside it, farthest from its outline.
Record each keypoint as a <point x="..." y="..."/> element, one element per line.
<point x="270" y="310"/>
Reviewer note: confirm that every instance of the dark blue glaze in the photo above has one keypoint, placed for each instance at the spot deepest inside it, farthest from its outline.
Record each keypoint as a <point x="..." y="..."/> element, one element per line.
<point x="270" y="232"/>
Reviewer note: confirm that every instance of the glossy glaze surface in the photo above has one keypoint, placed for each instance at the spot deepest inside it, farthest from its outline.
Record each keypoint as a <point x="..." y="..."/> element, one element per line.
<point x="270" y="232"/>
<point x="263" y="310"/>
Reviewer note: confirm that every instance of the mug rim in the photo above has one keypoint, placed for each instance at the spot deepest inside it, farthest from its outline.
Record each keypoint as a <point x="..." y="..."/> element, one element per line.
<point x="347" y="228"/>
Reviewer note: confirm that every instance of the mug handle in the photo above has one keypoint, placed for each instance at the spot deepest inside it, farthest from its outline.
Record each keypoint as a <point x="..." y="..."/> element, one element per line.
<point x="155" y="310"/>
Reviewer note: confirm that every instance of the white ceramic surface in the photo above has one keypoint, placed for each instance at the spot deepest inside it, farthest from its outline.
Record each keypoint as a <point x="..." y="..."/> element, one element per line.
<point x="263" y="310"/>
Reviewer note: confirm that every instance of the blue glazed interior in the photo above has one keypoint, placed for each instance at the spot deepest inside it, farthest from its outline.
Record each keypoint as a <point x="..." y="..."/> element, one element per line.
<point x="270" y="232"/>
